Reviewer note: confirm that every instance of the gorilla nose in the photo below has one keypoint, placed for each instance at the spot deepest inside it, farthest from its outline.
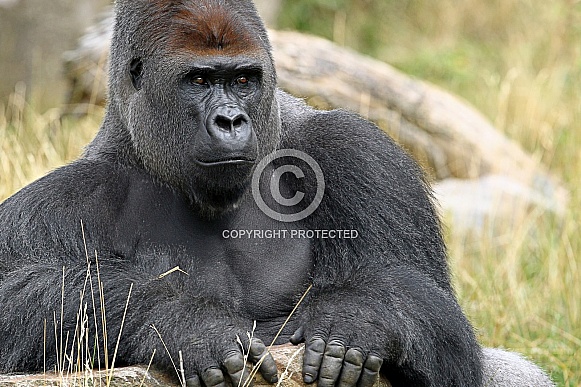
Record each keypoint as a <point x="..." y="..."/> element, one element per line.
<point x="230" y="134"/>
<point x="229" y="123"/>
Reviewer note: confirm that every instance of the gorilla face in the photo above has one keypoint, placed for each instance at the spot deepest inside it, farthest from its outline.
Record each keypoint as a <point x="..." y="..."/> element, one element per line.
<point x="200" y="106"/>
<point x="193" y="125"/>
<point x="219" y="98"/>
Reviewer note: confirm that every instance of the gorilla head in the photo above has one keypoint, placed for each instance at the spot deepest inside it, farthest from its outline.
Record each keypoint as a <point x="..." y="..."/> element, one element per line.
<point x="192" y="87"/>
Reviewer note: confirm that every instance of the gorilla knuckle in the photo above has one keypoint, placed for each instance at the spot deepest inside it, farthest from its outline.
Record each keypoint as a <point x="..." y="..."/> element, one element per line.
<point x="317" y="345"/>
<point x="335" y="350"/>
<point x="194" y="381"/>
<point x="326" y="381"/>
<point x="234" y="363"/>
<point x="257" y="347"/>
<point x="355" y="357"/>
<point x="349" y="377"/>
<point x="212" y="377"/>
<point x="373" y="363"/>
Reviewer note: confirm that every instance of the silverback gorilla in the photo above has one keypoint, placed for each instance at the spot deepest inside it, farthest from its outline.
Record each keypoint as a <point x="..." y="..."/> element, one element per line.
<point x="193" y="110"/>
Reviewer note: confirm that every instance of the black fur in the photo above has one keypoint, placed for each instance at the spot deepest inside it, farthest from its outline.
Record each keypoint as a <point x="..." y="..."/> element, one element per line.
<point x="149" y="204"/>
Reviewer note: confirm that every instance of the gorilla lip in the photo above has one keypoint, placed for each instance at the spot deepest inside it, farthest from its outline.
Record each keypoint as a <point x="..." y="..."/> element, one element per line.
<point x="220" y="163"/>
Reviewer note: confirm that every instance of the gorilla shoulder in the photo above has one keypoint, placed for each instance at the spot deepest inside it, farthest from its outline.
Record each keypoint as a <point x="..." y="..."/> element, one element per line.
<point x="321" y="131"/>
<point x="53" y="207"/>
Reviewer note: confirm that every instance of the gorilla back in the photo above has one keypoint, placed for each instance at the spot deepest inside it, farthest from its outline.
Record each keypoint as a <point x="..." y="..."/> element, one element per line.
<point x="193" y="111"/>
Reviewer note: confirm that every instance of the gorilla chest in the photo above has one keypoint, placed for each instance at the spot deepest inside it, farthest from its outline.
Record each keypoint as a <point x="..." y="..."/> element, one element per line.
<point x="246" y="259"/>
<point x="269" y="274"/>
<point x="257" y="264"/>
<point x="264" y="277"/>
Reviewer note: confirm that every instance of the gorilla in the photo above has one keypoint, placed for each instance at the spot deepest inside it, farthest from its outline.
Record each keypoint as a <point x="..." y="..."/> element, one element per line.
<point x="228" y="207"/>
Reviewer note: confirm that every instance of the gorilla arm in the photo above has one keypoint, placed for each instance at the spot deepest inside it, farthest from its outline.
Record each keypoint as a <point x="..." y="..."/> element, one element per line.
<point x="41" y="240"/>
<point x="385" y="296"/>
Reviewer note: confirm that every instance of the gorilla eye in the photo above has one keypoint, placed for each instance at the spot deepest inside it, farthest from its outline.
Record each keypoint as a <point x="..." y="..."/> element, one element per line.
<point x="242" y="80"/>
<point x="199" y="81"/>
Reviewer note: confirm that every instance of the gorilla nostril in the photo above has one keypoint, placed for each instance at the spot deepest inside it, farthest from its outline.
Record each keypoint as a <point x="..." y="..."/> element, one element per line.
<point x="238" y="121"/>
<point x="228" y="124"/>
<point x="224" y="123"/>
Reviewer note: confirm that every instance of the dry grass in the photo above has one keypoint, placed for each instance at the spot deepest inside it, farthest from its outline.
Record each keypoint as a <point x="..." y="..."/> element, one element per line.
<point x="33" y="143"/>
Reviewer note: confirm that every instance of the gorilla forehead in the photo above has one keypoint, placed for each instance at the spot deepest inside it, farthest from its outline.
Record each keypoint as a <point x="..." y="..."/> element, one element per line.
<point x="200" y="27"/>
<point x="206" y="29"/>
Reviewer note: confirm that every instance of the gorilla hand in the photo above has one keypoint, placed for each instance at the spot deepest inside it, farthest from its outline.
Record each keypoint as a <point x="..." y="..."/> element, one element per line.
<point x="333" y="353"/>
<point x="224" y="358"/>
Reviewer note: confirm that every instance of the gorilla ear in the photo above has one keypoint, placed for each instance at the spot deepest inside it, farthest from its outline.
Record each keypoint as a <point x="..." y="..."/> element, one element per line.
<point x="136" y="71"/>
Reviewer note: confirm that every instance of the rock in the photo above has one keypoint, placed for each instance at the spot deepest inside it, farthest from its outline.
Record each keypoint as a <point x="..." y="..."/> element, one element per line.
<point x="34" y="35"/>
<point x="493" y="201"/>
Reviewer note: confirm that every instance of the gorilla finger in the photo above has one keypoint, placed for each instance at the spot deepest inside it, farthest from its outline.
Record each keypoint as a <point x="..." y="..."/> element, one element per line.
<point x="352" y="367"/>
<point x="299" y="336"/>
<point x="236" y="369"/>
<point x="314" y="351"/>
<point x="259" y="353"/>
<point x="194" y="381"/>
<point x="213" y="377"/>
<point x="370" y="371"/>
<point x="332" y="364"/>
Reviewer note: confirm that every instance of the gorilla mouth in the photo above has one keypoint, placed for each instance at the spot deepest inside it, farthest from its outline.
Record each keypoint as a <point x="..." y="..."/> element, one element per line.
<point x="225" y="162"/>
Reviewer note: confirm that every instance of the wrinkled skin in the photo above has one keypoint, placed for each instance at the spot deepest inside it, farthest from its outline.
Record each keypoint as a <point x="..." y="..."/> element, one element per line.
<point x="193" y="110"/>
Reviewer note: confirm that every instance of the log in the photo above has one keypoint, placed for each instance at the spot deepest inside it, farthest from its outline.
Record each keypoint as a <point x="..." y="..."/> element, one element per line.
<point x="289" y="360"/>
<point x="452" y="136"/>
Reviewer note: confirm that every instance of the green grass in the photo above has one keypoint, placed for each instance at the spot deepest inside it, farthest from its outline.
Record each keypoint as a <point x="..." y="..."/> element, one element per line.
<point x="519" y="62"/>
